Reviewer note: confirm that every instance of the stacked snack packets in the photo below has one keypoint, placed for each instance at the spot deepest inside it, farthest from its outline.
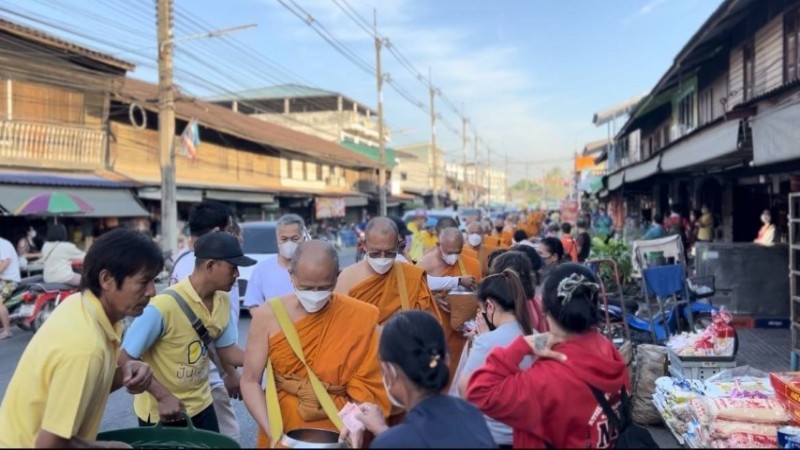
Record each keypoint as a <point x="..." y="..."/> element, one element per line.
<point x="718" y="339"/>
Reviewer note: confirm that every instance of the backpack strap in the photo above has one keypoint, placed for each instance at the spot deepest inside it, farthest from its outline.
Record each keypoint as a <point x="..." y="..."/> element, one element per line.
<point x="618" y="421"/>
<point x="200" y="329"/>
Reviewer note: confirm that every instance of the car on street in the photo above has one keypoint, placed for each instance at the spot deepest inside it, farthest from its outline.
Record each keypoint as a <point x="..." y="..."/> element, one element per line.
<point x="463" y="213"/>
<point x="260" y="243"/>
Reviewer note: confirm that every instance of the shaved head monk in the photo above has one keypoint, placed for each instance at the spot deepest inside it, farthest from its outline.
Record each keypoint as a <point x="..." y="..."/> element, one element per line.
<point x="447" y="261"/>
<point x="337" y="337"/>
<point x="381" y="280"/>
<point x="476" y="248"/>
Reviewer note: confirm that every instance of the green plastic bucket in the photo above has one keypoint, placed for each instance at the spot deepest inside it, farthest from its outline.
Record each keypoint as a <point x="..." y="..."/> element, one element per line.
<point x="159" y="436"/>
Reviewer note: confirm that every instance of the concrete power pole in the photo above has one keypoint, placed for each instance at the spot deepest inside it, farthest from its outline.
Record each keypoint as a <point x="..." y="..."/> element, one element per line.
<point x="434" y="151"/>
<point x="166" y="128"/>
<point x="489" y="181"/>
<point x="476" y="180"/>
<point x="464" y="152"/>
<point x="381" y="144"/>
<point x="506" y="181"/>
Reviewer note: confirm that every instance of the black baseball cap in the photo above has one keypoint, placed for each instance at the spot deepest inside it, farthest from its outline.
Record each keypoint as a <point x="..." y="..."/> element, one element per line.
<point x="222" y="246"/>
<point x="401" y="226"/>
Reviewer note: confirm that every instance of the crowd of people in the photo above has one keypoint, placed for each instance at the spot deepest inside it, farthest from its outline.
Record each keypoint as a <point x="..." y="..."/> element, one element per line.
<point x="479" y="341"/>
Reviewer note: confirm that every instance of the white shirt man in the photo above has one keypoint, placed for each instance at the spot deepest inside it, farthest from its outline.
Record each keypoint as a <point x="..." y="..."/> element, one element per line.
<point x="9" y="278"/>
<point x="270" y="278"/>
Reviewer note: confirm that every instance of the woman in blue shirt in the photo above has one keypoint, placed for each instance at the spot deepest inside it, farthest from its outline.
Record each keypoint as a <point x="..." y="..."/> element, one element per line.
<point x="413" y="357"/>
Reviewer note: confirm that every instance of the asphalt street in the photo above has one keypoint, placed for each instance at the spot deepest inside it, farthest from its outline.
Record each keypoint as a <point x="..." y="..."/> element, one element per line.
<point x="119" y="410"/>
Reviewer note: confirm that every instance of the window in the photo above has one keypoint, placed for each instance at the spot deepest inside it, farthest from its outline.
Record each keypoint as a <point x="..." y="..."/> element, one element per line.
<point x="749" y="71"/>
<point x="791" y="61"/>
<point x="706" y="106"/>
<point x="319" y="172"/>
<point x="686" y="111"/>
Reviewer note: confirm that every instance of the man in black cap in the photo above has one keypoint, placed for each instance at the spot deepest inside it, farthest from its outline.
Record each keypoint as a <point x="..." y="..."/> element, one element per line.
<point x="181" y="330"/>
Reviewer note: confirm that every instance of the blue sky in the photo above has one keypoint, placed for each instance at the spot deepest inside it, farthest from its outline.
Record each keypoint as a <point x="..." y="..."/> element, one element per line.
<point x="530" y="73"/>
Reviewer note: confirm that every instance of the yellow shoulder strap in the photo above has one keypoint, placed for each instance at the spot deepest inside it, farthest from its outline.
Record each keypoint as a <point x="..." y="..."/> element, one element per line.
<point x="401" y="285"/>
<point x="323" y="397"/>
<point x="461" y="267"/>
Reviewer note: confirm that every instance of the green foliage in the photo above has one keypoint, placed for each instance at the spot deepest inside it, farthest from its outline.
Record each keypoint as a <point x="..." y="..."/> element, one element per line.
<point x="617" y="251"/>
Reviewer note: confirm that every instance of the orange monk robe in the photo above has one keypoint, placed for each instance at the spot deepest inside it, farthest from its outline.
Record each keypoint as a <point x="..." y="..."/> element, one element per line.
<point x="535" y="221"/>
<point x="492" y="243"/>
<point x="340" y="344"/>
<point x="507" y="237"/>
<point x="382" y="291"/>
<point x="481" y="255"/>
<point x="455" y="339"/>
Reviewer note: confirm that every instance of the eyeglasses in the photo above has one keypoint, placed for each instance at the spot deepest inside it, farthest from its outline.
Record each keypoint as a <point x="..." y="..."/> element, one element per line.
<point x="374" y="254"/>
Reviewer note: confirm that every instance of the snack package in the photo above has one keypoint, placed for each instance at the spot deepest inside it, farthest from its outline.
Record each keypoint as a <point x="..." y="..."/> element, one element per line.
<point x="724" y="336"/>
<point x="787" y="391"/>
<point x="751" y="410"/>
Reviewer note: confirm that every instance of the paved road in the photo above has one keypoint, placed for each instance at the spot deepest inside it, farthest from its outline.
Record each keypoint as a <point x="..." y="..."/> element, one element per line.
<point x="119" y="410"/>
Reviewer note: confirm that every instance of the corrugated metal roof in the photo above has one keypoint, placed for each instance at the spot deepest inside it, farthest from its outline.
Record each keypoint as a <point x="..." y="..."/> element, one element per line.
<point x="595" y="146"/>
<point x="32" y="34"/>
<point x="51" y="179"/>
<point x="275" y="92"/>
<point x="222" y="119"/>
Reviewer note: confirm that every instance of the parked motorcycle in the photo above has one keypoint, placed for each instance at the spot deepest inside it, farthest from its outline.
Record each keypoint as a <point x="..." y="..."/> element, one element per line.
<point x="33" y="301"/>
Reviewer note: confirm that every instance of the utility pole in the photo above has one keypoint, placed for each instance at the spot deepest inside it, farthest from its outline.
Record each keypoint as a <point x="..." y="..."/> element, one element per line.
<point x="476" y="180"/>
<point x="166" y="128"/>
<point x="505" y="192"/>
<point x="464" y="152"/>
<point x="432" y="91"/>
<point x="489" y="181"/>
<point x="381" y="143"/>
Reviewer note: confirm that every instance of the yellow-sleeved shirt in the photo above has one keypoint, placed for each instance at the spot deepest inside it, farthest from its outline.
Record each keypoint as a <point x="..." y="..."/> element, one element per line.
<point x="64" y="377"/>
<point x="164" y="338"/>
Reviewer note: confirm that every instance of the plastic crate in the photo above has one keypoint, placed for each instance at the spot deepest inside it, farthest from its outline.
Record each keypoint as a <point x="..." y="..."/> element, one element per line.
<point x="696" y="368"/>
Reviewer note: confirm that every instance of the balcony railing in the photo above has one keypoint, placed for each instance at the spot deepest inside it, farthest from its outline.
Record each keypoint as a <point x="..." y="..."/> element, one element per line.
<point x="33" y="144"/>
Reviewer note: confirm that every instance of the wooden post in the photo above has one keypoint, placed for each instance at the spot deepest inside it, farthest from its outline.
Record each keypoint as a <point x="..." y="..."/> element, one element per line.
<point x="381" y="144"/>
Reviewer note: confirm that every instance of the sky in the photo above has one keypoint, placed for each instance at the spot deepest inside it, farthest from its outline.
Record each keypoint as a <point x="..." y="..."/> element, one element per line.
<point x="530" y="74"/>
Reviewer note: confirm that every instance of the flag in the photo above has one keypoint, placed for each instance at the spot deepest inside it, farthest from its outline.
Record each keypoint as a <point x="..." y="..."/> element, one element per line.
<point x="190" y="139"/>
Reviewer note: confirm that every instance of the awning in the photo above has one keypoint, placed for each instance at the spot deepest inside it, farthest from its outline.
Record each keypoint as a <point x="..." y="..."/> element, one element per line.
<point x="182" y="195"/>
<point x="707" y="145"/>
<point x="241" y="197"/>
<point x="106" y="202"/>
<point x="776" y="134"/>
<point x="352" y="202"/>
<point x="642" y="170"/>
<point x="615" y="180"/>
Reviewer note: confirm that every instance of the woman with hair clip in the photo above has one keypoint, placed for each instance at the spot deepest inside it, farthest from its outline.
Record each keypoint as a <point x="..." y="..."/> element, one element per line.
<point x="502" y="317"/>
<point x="556" y="403"/>
<point x="413" y="357"/>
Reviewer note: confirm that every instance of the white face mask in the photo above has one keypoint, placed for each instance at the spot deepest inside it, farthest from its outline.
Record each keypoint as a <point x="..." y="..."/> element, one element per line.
<point x="392" y="400"/>
<point x="474" y="239"/>
<point x="313" y="301"/>
<point x="448" y="258"/>
<point x="287" y="249"/>
<point x="380" y="265"/>
<point x="765" y="218"/>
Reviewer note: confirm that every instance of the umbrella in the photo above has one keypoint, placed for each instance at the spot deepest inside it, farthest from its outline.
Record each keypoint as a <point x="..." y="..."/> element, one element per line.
<point x="54" y="203"/>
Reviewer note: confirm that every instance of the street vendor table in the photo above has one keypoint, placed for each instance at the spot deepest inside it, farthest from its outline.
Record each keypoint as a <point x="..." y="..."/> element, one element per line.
<point x="750" y="279"/>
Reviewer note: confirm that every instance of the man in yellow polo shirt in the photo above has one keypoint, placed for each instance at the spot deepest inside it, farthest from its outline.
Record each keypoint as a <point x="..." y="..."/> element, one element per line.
<point x="165" y="338"/>
<point x="59" y="390"/>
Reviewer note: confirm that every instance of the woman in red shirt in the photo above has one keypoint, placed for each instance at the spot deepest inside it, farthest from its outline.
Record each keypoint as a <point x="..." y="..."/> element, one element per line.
<point x="551" y="404"/>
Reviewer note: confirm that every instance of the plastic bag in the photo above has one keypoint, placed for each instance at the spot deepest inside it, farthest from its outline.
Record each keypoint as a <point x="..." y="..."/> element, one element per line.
<point x="651" y="363"/>
<point x="738" y="372"/>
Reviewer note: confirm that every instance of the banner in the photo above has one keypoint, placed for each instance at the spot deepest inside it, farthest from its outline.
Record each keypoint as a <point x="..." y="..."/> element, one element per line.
<point x="328" y="208"/>
<point x="190" y="140"/>
<point x="569" y="211"/>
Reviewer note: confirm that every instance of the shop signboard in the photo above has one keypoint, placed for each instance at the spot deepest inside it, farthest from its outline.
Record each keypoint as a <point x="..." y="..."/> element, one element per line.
<point x="328" y="208"/>
<point x="569" y="211"/>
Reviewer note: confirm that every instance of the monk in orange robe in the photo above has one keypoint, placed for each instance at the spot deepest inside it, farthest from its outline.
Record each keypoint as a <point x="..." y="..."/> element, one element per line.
<point x="381" y="280"/>
<point x="479" y="252"/>
<point x="338" y="336"/>
<point x="535" y="221"/>
<point x="449" y="262"/>
<point x="501" y="234"/>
